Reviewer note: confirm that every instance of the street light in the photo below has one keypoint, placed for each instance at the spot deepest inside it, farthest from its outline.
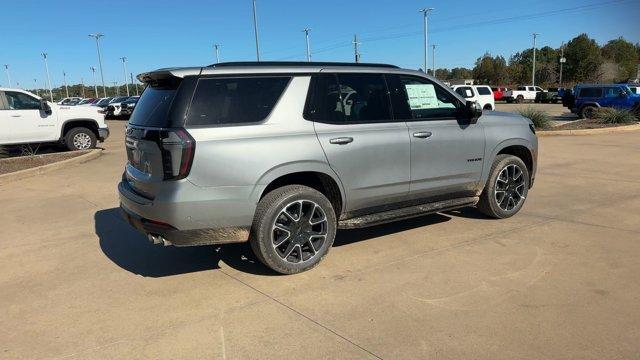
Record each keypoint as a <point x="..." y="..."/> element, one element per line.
<point x="217" y="47"/>
<point x="95" y="87"/>
<point x="306" y="36"/>
<point x="6" y="66"/>
<point x="35" y="81"/>
<point x="64" y="80"/>
<point x="97" y="37"/>
<point x="533" y="72"/>
<point x="82" y="82"/>
<point x="124" y="65"/>
<point x="46" y="66"/>
<point x="255" y="28"/>
<point x="433" y="61"/>
<point x="356" y="51"/>
<point x="425" y="13"/>
<point x="562" y="61"/>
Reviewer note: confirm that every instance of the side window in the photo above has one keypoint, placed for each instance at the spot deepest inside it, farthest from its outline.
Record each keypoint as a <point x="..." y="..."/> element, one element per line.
<point x="538" y="88"/>
<point x="364" y="97"/>
<point x="417" y="98"/>
<point x="465" y="91"/>
<point x="522" y="88"/>
<point x="323" y="101"/>
<point x="483" y="90"/>
<point x="20" y="101"/>
<point x="613" y="92"/>
<point x="241" y="100"/>
<point x="593" y="92"/>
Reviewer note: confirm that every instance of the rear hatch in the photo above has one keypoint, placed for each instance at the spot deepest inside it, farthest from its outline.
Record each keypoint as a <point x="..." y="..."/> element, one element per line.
<point x="158" y="148"/>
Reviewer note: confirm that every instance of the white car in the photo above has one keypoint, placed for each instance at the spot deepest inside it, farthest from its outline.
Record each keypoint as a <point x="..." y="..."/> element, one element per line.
<point x="522" y="94"/>
<point x="27" y="118"/>
<point x="69" y="100"/>
<point x="482" y="94"/>
<point x="114" y="107"/>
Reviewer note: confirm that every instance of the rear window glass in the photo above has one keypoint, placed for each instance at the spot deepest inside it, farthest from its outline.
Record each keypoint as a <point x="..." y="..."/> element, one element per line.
<point x="465" y="91"/>
<point x="153" y="106"/>
<point x="484" y="91"/>
<point x="591" y="92"/>
<point x="239" y="100"/>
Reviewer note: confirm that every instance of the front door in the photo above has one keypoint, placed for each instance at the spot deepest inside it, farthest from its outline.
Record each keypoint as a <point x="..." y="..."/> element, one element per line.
<point x="363" y="144"/>
<point x="27" y="122"/>
<point x="447" y="152"/>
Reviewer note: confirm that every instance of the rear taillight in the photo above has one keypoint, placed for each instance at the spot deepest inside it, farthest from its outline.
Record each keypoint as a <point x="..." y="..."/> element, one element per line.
<point x="178" y="148"/>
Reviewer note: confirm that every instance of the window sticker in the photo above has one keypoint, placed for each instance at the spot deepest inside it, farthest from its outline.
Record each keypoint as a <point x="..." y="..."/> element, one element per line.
<point x="422" y="96"/>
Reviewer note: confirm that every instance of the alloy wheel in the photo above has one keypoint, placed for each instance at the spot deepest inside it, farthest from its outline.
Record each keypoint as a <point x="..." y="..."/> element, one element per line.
<point x="509" y="187"/>
<point x="82" y="141"/>
<point x="299" y="231"/>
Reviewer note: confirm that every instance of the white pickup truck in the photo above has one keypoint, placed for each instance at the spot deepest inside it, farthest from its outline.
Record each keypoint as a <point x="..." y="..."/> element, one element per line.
<point x="522" y="94"/>
<point x="26" y="118"/>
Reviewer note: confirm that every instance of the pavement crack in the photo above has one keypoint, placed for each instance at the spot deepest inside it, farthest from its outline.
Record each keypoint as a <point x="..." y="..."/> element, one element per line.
<point x="334" y="332"/>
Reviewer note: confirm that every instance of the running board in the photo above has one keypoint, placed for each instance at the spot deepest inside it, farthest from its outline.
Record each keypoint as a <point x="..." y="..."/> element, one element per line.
<point x="406" y="213"/>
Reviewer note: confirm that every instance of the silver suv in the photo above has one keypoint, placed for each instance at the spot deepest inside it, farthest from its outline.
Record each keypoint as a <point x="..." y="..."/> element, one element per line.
<point x="283" y="154"/>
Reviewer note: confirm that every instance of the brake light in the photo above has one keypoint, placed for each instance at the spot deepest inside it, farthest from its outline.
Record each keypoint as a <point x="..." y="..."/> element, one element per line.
<point x="178" y="149"/>
<point x="187" y="153"/>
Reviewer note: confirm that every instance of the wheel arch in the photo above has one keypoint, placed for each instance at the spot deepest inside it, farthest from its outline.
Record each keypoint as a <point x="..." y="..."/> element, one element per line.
<point x="518" y="147"/>
<point x="67" y="125"/>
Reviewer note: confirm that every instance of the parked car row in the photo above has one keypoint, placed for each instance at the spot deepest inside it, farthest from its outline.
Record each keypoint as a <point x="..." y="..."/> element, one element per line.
<point x="110" y="106"/>
<point x="586" y="99"/>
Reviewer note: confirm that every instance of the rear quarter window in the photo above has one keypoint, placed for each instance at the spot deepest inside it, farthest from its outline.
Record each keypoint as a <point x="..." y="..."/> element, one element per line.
<point x="239" y="100"/>
<point x="590" y="92"/>
<point x="484" y="90"/>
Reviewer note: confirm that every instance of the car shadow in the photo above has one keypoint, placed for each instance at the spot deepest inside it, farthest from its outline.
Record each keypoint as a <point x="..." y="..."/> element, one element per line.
<point x="130" y="250"/>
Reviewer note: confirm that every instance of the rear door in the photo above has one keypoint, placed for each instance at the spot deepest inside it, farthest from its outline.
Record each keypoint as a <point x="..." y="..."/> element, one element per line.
<point x="446" y="151"/>
<point x="26" y="121"/>
<point x="364" y="145"/>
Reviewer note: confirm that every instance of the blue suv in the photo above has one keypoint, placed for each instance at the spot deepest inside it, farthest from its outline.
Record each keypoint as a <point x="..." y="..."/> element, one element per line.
<point x="587" y="98"/>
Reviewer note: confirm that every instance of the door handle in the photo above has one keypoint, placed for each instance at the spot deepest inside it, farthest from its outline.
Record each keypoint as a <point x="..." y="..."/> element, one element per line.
<point x="422" y="134"/>
<point x="341" y="140"/>
<point x="16" y="115"/>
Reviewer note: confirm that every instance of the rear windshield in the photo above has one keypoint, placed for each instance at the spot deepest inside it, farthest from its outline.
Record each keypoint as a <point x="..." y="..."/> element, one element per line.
<point x="241" y="100"/>
<point x="153" y="106"/>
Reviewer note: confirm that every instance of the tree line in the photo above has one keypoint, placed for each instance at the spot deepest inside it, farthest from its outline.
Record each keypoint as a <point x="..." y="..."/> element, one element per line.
<point x="584" y="63"/>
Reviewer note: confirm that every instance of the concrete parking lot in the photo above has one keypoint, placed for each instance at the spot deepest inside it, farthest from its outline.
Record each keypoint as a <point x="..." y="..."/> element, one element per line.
<point x="558" y="280"/>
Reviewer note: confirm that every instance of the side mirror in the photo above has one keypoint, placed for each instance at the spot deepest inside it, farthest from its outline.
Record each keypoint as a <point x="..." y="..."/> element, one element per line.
<point x="474" y="111"/>
<point x="44" y="106"/>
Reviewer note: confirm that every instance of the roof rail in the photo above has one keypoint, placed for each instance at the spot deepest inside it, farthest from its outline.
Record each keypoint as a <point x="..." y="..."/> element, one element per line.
<point x="297" y="64"/>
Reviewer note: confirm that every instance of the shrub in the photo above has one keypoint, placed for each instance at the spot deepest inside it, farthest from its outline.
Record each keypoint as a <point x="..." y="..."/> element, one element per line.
<point x="615" y="116"/>
<point x="540" y="118"/>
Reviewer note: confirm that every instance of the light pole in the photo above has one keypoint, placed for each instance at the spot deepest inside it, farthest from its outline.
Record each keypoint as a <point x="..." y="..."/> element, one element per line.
<point x="255" y="28"/>
<point x="97" y="37"/>
<point x="82" y="82"/>
<point x="46" y="66"/>
<point x="95" y="87"/>
<point x="306" y="37"/>
<point x="64" y="80"/>
<point x="425" y="13"/>
<point x="562" y="61"/>
<point x="6" y="67"/>
<point x="124" y="66"/>
<point x="115" y="84"/>
<point x="356" y="52"/>
<point x="35" y="81"/>
<point x="134" y="83"/>
<point x="433" y="61"/>
<point x="533" y="72"/>
<point x="217" y="48"/>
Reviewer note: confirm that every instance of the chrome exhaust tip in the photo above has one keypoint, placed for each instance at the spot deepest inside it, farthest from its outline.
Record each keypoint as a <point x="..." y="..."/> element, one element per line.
<point x="155" y="239"/>
<point x="166" y="242"/>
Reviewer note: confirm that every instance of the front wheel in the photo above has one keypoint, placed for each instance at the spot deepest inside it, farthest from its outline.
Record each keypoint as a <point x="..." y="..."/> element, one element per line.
<point x="506" y="189"/>
<point x="293" y="229"/>
<point x="520" y="99"/>
<point x="80" y="138"/>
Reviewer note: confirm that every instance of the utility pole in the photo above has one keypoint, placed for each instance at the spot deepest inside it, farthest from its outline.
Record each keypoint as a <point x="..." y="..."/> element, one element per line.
<point x="426" y="12"/>
<point x="35" y="81"/>
<point x="115" y="83"/>
<point x="433" y="62"/>
<point x="124" y="65"/>
<point x="533" y="72"/>
<point x="255" y="28"/>
<point x="217" y="47"/>
<point x="306" y="36"/>
<point x="82" y="82"/>
<point x="64" y="80"/>
<point x="97" y="37"/>
<point x="356" y="53"/>
<point x="95" y="87"/>
<point x="562" y="61"/>
<point x="6" y="67"/>
<point x="46" y="66"/>
<point x="134" y="83"/>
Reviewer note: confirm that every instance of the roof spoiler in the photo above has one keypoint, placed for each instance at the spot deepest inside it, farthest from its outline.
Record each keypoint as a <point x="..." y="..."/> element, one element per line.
<point x="164" y="74"/>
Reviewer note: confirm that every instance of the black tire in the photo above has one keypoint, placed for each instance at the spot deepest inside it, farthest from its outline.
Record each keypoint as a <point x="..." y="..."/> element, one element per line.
<point x="80" y="138"/>
<point x="270" y="211"/>
<point x="489" y="204"/>
<point x="588" y="112"/>
<point x="520" y="99"/>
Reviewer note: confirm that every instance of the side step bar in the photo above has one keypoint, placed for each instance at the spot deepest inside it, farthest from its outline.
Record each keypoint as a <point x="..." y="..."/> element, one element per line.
<point x="406" y="213"/>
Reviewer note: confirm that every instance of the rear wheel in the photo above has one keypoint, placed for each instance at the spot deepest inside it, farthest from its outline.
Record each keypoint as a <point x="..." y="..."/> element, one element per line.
<point x="506" y="189"/>
<point x="520" y="99"/>
<point x="293" y="229"/>
<point x="80" y="138"/>
<point x="588" y="112"/>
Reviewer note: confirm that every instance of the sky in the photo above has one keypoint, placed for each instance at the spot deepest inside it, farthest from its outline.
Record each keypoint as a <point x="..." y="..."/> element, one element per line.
<point x="156" y="34"/>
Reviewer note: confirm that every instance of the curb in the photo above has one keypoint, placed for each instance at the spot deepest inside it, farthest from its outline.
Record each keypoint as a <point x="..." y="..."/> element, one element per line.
<point x="22" y="174"/>
<point x="580" y="132"/>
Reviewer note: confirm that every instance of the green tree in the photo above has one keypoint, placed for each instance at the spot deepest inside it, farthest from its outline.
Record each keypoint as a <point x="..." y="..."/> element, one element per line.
<point x="461" y="73"/>
<point x="443" y="74"/>
<point x="625" y="55"/>
<point x="583" y="59"/>
<point x="490" y="70"/>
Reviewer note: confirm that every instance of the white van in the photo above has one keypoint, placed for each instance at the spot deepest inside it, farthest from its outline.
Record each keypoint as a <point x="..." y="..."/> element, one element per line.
<point x="481" y="94"/>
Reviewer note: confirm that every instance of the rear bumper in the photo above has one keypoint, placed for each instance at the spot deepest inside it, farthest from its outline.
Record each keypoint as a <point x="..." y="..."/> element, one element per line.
<point x="187" y="223"/>
<point x="103" y="134"/>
